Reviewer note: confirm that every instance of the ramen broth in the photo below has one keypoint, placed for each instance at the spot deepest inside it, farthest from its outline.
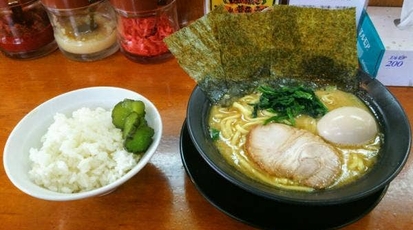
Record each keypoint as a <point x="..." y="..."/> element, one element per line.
<point x="234" y="123"/>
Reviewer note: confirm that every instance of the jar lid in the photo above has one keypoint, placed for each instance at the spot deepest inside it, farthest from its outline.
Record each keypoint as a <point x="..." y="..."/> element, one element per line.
<point x="68" y="4"/>
<point x="7" y="3"/>
<point x="135" y="5"/>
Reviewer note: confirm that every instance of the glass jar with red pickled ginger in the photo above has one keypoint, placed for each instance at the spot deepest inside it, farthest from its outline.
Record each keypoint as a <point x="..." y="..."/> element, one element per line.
<point x="142" y="26"/>
<point x="25" y="29"/>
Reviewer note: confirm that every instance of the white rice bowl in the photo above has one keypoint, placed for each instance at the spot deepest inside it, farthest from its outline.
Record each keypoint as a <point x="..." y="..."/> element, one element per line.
<point x="81" y="153"/>
<point x="64" y="161"/>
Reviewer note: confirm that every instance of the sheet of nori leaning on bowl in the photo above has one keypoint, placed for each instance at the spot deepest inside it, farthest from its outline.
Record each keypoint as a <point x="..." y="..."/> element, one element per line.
<point x="230" y="54"/>
<point x="392" y="155"/>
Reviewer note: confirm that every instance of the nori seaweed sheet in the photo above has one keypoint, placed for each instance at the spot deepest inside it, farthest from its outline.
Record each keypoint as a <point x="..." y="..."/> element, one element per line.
<point x="229" y="55"/>
<point x="320" y="45"/>
<point x="197" y="50"/>
<point x="245" y="49"/>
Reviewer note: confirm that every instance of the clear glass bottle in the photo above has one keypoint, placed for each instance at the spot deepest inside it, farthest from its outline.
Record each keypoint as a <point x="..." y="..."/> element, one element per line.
<point x="189" y="11"/>
<point x="142" y="26"/>
<point x="25" y="29"/>
<point x="85" y="30"/>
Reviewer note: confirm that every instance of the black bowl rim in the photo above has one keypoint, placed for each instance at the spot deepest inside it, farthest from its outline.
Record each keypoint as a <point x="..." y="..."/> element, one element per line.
<point x="372" y="91"/>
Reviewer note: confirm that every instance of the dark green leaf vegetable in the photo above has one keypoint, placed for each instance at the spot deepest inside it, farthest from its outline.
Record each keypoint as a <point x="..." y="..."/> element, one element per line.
<point x="129" y="116"/>
<point x="214" y="133"/>
<point x="289" y="102"/>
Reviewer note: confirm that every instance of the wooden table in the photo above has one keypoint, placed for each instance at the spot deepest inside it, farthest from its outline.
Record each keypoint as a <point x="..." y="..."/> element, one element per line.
<point x="162" y="196"/>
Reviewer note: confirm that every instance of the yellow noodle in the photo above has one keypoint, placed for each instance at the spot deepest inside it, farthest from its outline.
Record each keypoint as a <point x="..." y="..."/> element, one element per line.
<point x="220" y="114"/>
<point x="226" y="125"/>
<point x="251" y="99"/>
<point x="360" y="164"/>
<point x="225" y="131"/>
<point x="247" y="126"/>
<point x="235" y="138"/>
<point x="267" y="113"/>
<point x="327" y="99"/>
<point x="295" y="188"/>
<point x="242" y="109"/>
<point x="353" y="162"/>
<point x="233" y="117"/>
<point x="241" y="129"/>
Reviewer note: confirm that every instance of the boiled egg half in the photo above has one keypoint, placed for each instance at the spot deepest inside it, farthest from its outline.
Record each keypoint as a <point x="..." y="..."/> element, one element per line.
<point x="347" y="126"/>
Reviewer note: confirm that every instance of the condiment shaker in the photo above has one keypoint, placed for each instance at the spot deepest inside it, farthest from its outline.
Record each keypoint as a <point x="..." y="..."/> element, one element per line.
<point x="142" y="26"/>
<point x="25" y="29"/>
<point x="85" y="30"/>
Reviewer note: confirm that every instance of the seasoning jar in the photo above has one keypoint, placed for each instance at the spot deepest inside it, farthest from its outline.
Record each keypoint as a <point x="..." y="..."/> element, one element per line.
<point x="142" y="26"/>
<point x="189" y="11"/>
<point x="85" y="30"/>
<point x="25" y="29"/>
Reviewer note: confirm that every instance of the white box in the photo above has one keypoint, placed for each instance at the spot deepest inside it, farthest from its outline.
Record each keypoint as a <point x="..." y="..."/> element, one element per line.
<point x="385" y="51"/>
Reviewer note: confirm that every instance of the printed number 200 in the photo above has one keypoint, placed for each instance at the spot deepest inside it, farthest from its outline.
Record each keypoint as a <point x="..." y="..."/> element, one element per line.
<point x="394" y="64"/>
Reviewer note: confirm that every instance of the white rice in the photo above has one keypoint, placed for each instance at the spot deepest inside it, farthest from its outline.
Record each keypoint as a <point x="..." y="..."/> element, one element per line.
<point x="80" y="153"/>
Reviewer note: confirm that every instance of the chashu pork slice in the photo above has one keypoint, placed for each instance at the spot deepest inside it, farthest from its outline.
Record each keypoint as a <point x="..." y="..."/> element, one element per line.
<point x="293" y="153"/>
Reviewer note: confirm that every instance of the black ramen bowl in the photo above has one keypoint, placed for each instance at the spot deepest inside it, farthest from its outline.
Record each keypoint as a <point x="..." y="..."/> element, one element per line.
<point x="391" y="158"/>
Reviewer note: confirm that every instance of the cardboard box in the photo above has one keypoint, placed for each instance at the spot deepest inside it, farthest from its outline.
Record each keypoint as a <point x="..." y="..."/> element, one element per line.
<point x="385" y="51"/>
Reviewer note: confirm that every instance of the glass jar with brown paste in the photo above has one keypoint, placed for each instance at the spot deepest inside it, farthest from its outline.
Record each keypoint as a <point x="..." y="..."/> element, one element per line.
<point x="85" y="30"/>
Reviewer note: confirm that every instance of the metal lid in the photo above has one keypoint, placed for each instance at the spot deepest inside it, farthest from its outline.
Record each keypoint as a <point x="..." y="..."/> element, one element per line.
<point x="8" y="3"/>
<point x="68" y="4"/>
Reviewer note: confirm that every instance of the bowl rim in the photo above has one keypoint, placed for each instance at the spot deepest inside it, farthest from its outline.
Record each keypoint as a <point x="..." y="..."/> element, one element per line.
<point x="45" y="194"/>
<point x="368" y="87"/>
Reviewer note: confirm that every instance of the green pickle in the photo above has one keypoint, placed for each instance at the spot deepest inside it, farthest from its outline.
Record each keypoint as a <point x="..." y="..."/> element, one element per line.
<point x="124" y="108"/>
<point x="132" y="121"/>
<point x="129" y="116"/>
<point x="140" y="141"/>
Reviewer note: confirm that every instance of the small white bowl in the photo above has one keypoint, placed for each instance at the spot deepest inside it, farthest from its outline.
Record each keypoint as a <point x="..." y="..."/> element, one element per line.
<point x="34" y="125"/>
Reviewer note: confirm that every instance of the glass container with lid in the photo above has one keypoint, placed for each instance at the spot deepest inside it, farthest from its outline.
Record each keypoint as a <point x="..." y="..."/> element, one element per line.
<point x="25" y="29"/>
<point x="85" y="30"/>
<point x="142" y="26"/>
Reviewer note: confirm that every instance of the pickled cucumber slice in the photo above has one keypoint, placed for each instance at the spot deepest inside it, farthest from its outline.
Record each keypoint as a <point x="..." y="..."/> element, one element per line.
<point x="124" y="108"/>
<point x="137" y="107"/>
<point x="129" y="116"/>
<point x="132" y="121"/>
<point x="140" y="140"/>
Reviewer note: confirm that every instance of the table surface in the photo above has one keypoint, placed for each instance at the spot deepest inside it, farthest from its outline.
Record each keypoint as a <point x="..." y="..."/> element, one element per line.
<point x="161" y="196"/>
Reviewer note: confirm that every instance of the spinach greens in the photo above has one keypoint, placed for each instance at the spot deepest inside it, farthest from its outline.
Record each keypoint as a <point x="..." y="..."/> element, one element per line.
<point x="289" y="102"/>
